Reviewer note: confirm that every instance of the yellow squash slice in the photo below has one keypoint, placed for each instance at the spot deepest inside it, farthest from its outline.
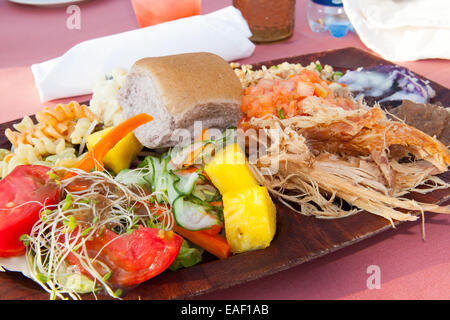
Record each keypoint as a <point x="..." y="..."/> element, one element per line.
<point x="119" y="157"/>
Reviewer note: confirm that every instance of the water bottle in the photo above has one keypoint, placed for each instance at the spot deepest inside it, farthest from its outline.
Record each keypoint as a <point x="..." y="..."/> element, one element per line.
<point x="328" y="15"/>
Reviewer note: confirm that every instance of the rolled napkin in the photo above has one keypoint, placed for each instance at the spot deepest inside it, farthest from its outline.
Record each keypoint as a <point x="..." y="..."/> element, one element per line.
<point x="223" y="32"/>
<point x="404" y="30"/>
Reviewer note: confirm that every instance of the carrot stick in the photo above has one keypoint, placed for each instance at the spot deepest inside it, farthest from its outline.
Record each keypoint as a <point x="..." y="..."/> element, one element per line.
<point x="100" y="149"/>
<point x="192" y="155"/>
<point x="187" y="170"/>
<point x="204" y="135"/>
<point x="214" y="244"/>
<point x="215" y="229"/>
<point x="208" y="239"/>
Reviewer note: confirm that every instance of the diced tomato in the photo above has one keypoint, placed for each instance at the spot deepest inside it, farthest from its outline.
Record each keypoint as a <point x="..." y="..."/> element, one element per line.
<point x="246" y="102"/>
<point x="283" y="97"/>
<point x="291" y="109"/>
<point x="287" y="85"/>
<point x="132" y="258"/>
<point x="306" y="76"/>
<point x="254" y="90"/>
<point x="265" y="83"/>
<point x="309" y="75"/>
<point x="23" y="193"/>
<point x="265" y="100"/>
<point x="320" y="91"/>
<point x="305" y="89"/>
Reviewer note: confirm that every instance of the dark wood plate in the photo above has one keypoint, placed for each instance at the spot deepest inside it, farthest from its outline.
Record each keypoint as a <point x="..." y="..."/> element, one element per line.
<point x="298" y="239"/>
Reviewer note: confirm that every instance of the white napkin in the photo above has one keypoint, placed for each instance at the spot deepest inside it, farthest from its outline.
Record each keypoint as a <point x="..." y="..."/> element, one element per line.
<point x="15" y="264"/>
<point x="223" y="32"/>
<point x="402" y="30"/>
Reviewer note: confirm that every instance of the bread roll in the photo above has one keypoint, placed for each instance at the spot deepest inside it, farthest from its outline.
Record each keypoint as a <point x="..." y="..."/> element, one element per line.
<point x="178" y="90"/>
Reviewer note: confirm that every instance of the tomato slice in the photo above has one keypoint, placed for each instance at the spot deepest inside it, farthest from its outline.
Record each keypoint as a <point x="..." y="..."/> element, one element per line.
<point x="24" y="184"/>
<point x="132" y="258"/>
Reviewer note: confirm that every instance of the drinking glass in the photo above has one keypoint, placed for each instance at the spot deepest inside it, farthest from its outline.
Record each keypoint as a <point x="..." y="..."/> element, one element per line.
<point x="269" y="20"/>
<point x="151" y="12"/>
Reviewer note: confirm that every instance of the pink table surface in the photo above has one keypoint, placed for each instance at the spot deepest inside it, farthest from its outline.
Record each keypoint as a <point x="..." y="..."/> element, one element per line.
<point x="410" y="268"/>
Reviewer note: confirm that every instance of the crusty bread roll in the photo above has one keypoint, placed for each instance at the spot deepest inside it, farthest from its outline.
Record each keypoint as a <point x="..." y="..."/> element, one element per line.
<point x="178" y="90"/>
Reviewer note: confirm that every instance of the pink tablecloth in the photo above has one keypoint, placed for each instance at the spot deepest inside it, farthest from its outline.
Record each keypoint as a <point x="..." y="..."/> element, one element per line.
<point x="410" y="268"/>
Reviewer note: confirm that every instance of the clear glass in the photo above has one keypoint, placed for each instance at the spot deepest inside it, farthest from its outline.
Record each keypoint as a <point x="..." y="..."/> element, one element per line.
<point x="269" y="20"/>
<point x="323" y="18"/>
<point x="151" y="12"/>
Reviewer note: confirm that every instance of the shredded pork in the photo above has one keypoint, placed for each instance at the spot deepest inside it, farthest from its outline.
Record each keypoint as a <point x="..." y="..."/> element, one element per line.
<point x="360" y="156"/>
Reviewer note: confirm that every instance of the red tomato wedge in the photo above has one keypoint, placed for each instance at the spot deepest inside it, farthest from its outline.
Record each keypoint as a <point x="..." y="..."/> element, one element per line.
<point x="24" y="184"/>
<point x="132" y="258"/>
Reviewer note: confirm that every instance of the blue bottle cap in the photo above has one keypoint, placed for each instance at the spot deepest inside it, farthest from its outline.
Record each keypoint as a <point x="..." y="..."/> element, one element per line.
<point x="331" y="3"/>
<point x="338" y="30"/>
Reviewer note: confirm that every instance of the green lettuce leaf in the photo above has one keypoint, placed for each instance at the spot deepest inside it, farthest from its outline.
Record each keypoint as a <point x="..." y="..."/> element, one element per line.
<point x="187" y="257"/>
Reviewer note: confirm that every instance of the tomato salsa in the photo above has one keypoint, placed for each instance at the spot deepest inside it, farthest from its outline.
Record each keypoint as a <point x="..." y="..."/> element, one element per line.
<point x="283" y="98"/>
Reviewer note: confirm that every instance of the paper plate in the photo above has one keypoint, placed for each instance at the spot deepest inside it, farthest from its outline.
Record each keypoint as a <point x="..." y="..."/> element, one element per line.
<point x="47" y="2"/>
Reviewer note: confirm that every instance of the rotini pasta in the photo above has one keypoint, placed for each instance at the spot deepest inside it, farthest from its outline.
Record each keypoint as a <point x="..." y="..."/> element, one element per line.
<point x="4" y="153"/>
<point x="25" y="129"/>
<point x="67" y="158"/>
<point x="65" y="123"/>
<point x="80" y="129"/>
<point x="23" y="154"/>
<point x="24" y="125"/>
<point x="64" y="112"/>
<point x="26" y="154"/>
<point x="50" y="140"/>
<point x="45" y="145"/>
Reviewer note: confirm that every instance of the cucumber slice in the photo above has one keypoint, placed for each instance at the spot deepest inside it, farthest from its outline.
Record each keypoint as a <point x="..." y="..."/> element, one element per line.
<point x="180" y="185"/>
<point x="179" y="154"/>
<point x="192" y="216"/>
<point x="172" y="193"/>
<point x="160" y="177"/>
<point x="185" y="183"/>
<point x="206" y="192"/>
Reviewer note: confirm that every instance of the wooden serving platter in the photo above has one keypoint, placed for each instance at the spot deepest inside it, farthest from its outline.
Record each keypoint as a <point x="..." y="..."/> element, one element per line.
<point x="298" y="239"/>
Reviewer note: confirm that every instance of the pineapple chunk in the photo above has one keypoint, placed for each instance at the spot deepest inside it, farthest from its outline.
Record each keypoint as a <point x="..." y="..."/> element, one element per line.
<point x="228" y="170"/>
<point x="121" y="155"/>
<point x="250" y="219"/>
